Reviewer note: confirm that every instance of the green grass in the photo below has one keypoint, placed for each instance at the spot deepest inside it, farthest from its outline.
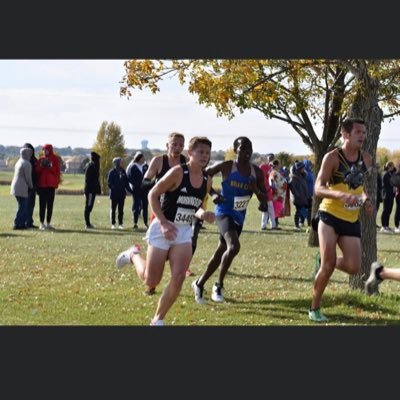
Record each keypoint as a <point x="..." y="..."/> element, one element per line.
<point x="68" y="277"/>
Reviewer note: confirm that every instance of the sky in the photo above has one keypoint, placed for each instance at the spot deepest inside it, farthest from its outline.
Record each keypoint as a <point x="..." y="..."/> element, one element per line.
<point x="64" y="102"/>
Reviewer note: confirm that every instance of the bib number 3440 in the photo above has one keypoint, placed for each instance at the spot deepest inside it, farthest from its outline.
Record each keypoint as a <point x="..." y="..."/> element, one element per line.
<point x="184" y="216"/>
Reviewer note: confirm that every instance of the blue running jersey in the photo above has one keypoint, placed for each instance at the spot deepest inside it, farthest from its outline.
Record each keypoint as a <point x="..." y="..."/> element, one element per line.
<point x="236" y="195"/>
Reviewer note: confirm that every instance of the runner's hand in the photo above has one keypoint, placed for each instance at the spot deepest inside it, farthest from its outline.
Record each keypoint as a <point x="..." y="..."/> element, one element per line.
<point x="169" y="230"/>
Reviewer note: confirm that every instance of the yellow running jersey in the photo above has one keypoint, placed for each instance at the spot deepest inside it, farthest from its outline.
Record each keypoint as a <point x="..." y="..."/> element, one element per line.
<point x="336" y="207"/>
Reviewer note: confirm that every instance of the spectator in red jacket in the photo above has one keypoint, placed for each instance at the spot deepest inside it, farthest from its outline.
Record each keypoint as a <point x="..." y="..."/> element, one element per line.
<point x="48" y="179"/>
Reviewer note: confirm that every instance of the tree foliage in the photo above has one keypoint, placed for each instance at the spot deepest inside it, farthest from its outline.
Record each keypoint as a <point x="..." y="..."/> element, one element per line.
<point x="312" y="96"/>
<point x="285" y="159"/>
<point x="230" y="154"/>
<point x="109" y="144"/>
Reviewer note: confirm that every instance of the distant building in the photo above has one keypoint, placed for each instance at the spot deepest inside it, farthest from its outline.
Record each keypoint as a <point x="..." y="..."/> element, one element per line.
<point x="74" y="164"/>
<point x="3" y="164"/>
<point x="144" y="144"/>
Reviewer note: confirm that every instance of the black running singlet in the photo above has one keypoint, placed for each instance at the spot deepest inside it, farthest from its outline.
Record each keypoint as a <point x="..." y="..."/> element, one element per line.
<point x="180" y="205"/>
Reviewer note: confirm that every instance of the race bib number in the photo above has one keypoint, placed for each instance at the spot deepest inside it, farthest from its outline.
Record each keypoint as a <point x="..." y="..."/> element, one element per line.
<point x="356" y="206"/>
<point x="240" y="203"/>
<point x="184" y="216"/>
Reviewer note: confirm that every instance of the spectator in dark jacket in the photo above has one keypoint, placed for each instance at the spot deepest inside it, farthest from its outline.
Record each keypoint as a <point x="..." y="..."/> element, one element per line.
<point x="92" y="186"/>
<point x="310" y="186"/>
<point x="395" y="181"/>
<point x="135" y="172"/>
<point x="299" y="189"/>
<point x="378" y="189"/>
<point x="48" y="179"/>
<point x="388" y="193"/>
<point x="118" y="184"/>
<point x="31" y="192"/>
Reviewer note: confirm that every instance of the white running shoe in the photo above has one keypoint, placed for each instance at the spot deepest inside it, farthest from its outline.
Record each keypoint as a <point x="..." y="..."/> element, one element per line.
<point x="113" y="227"/>
<point x="396" y="230"/>
<point x="121" y="227"/>
<point x="198" y="293"/>
<point x="50" y="227"/>
<point x="373" y="280"/>
<point x="125" y="257"/>
<point x="216" y="294"/>
<point x="157" y="322"/>
<point x="42" y="227"/>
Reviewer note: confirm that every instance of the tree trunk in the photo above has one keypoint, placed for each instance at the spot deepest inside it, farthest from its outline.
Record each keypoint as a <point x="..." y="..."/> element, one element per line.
<point x="319" y="155"/>
<point x="329" y="137"/>
<point x="366" y="106"/>
<point x="313" y="235"/>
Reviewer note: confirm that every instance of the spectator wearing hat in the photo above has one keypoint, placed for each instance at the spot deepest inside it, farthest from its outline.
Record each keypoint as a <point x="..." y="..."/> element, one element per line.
<point x="299" y="189"/>
<point x="31" y="192"/>
<point x="135" y="172"/>
<point x="21" y="183"/>
<point x="92" y="186"/>
<point x="118" y="184"/>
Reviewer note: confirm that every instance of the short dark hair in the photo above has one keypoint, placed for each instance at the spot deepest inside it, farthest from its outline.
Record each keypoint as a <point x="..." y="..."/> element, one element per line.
<point x="173" y="135"/>
<point x="348" y="123"/>
<point x="196" y="140"/>
<point x="240" y="139"/>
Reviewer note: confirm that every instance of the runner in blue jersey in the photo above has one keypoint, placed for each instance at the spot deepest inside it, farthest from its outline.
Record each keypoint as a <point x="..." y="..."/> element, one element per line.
<point x="240" y="179"/>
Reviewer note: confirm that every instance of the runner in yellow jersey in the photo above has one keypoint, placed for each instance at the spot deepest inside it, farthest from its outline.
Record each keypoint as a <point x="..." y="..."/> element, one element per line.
<point x="340" y="184"/>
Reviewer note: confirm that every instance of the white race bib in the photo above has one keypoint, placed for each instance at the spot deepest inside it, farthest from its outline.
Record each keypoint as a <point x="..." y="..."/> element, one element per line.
<point x="184" y="216"/>
<point x="356" y="206"/>
<point x="240" y="203"/>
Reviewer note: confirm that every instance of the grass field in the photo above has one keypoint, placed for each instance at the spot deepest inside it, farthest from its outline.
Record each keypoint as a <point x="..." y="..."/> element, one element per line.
<point x="68" y="277"/>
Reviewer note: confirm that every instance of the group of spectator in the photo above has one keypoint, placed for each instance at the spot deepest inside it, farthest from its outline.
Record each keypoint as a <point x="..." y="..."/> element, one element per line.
<point x="284" y="187"/>
<point x="121" y="182"/>
<point x="42" y="176"/>
<point x="31" y="176"/>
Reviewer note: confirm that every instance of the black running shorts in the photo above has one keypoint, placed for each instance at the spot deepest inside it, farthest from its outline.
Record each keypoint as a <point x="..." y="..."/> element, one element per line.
<point x="226" y="223"/>
<point x="341" y="227"/>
